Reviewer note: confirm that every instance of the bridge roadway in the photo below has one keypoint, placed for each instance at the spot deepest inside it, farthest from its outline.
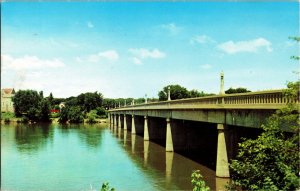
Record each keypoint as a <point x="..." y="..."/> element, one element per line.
<point x="220" y="112"/>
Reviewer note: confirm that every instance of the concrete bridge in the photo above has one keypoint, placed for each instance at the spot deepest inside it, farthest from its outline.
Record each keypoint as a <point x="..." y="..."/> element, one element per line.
<point x="215" y="120"/>
<point x="213" y="124"/>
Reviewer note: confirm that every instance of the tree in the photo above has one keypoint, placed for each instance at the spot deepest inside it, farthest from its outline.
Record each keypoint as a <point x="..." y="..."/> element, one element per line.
<point x="50" y="98"/>
<point x="271" y="162"/>
<point x="89" y="101"/>
<point x="63" y="117"/>
<point x="31" y="104"/>
<point x="75" y="114"/>
<point x="44" y="114"/>
<point x="237" y="90"/>
<point x="176" y="92"/>
<point x="24" y="100"/>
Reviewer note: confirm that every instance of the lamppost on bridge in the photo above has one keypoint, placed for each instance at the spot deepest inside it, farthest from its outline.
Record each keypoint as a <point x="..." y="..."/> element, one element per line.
<point x="222" y="92"/>
<point x="169" y="94"/>
<point x="146" y="98"/>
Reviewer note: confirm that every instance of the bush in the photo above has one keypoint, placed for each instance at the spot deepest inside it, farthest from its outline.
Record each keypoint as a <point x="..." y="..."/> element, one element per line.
<point x="198" y="182"/>
<point x="271" y="162"/>
<point x="92" y="115"/>
<point x="106" y="187"/>
<point x="101" y="112"/>
<point x="63" y="116"/>
<point x="75" y="115"/>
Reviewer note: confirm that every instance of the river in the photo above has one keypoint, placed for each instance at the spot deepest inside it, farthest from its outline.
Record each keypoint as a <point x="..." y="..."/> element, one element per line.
<point x="82" y="157"/>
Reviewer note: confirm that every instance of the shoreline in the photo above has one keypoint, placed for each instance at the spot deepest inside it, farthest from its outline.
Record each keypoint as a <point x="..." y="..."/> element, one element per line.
<point x="53" y="121"/>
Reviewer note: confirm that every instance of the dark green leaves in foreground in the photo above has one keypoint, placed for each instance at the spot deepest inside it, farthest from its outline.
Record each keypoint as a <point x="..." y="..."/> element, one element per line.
<point x="271" y="162"/>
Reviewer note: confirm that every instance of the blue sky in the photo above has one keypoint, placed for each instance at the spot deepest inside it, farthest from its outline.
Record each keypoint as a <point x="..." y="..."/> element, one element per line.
<point x="132" y="49"/>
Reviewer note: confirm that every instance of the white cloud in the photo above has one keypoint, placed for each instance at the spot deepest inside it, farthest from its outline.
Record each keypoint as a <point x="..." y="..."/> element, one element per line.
<point x="171" y="28"/>
<point x="231" y="47"/>
<point x="109" y="55"/>
<point x="206" y="66"/>
<point x="202" y="39"/>
<point x="136" y="61"/>
<point x="145" y="53"/>
<point x="29" y="62"/>
<point x="90" y="24"/>
<point x="140" y="54"/>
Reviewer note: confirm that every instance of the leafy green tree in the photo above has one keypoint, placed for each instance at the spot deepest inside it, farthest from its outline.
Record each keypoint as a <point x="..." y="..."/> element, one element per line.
<point x="89" y="101"/>
<point x="63" y="117"/>
<point x="25" y="100"/>
<point x="44" y="113"/>
<point x="75" y="114"/>
<point x="237" y="90"/>
<point x="100" y="111"/>
<point x="196" y="93"/>
<point x="271" y="162"/>
<point x="91" y="116"/>
<point x="176" y="92"/>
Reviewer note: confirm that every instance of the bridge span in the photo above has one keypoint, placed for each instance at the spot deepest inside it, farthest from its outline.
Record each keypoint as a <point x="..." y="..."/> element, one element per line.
<point x="209" y="123"/>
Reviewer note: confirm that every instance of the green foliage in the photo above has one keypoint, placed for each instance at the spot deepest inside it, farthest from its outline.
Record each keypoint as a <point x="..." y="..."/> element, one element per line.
<point x="63" y="117"/>
<point x="91" y="116"/>
<point x="176" y="92"/>
<point x="106" y="187"/>
<point x="7" y="115"/>
<point x="198" y="182"/>
<point x="179" y="92"/>
<point x="44" y="113"/>
<point x="101" y="112"/>
<point x="237" y="90"/>
<point x="89" y="101"/>
<point x="75" y="114"/>
<point x="31" y="104"/>
<point x="297" y="39"/>
<point x="271" y="162"/>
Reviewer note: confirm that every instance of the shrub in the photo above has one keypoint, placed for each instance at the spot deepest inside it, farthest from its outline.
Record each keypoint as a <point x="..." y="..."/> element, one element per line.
<point x="198" y="182"/>
<point x="75" y="115"/>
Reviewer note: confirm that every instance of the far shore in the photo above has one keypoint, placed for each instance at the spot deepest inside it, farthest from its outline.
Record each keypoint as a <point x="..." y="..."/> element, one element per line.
<point x="53" y="121"/>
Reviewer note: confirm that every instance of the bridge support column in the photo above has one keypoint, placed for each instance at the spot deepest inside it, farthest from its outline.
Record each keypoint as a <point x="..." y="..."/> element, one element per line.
<point x="125" y="123"/>
<point x="119" y="123"/>
<point x="146" y="131"/>
<point x="115" y="120"/>
<point x="132" y="126"/>
<point x="222" y="168"/>
<point x="169" y="140"/>
<point x="111" y="121"/>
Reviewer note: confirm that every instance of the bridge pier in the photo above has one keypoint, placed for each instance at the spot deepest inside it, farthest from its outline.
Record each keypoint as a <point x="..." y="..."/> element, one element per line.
<point x="133" y="132"/>
<point x="169" y="140"/>
<point x="119" y="123"/>
<point x="115" y="121"/>
<point x="222" y="167"/>
<point x="125" y="123"/>
<point x="146" y="131"/>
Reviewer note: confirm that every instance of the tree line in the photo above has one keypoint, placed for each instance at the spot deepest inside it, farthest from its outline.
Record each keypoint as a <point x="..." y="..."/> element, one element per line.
<point x="33" y="106"/>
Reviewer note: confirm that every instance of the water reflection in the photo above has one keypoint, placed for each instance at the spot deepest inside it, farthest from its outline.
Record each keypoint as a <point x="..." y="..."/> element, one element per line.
<point x="175" y="168"/>
<point x="31" y="138"/>
<point x="90" y="135"/>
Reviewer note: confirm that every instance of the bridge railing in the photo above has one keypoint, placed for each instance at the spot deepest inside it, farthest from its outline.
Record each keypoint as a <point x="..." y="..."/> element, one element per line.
<point x="271" y="99"/>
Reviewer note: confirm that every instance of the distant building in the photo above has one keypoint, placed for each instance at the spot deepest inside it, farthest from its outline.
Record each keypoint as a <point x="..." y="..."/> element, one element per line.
<point x="6" y="100"/>
<point x="61" y="105"/>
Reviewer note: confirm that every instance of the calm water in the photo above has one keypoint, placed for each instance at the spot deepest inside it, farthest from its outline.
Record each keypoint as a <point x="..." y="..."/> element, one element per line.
<point x="82" y="157"/>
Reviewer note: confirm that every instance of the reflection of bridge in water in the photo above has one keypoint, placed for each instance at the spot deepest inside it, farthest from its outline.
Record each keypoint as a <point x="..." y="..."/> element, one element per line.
<point x="209" y="126"/>
<point x="170" y="170"/>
